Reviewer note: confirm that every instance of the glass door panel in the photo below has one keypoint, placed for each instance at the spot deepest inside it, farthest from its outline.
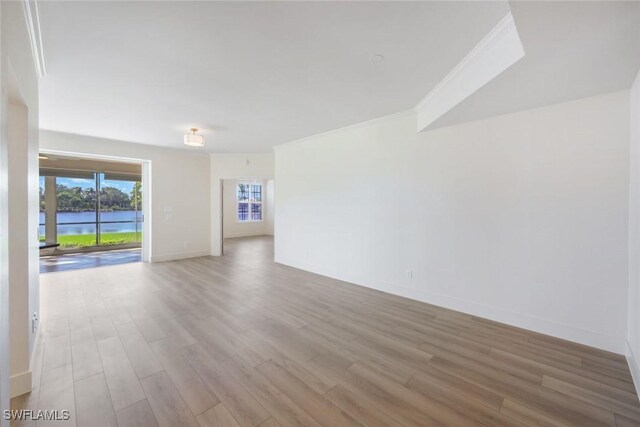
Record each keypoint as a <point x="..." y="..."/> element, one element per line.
<point x="41" y="221"/>
<point x="120" y="213"/>
<point x="76" y="211"/>
<point x="137" y="203"/>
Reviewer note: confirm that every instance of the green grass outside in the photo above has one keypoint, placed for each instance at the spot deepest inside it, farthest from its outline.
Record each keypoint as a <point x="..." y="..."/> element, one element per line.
<point x="85" y="240"/>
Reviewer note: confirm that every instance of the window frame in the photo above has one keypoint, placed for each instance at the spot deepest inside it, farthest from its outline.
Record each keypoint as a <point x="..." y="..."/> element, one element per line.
<point x="249" y="202"/>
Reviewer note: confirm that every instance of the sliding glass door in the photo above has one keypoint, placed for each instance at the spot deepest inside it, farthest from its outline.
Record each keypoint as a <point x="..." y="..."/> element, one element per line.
<point x="43" y="216"/>
<point x="76" y="211"/>
<point x="91" y="209"/>
<point x="120" y="210"/>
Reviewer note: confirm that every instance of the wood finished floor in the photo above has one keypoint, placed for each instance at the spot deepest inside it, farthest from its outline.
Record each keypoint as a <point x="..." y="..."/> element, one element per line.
<point x="240" y="340"/>
<point x="65" y="262"/>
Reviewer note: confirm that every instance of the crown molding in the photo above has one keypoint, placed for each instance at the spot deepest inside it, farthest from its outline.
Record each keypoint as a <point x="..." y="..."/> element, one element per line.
<point x="35" y="35"/>
<point x="496" y="52"/>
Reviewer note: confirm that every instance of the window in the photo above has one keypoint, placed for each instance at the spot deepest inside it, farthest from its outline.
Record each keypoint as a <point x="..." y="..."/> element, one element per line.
<point x="90" y="209"/>
<point x="249" y="202"/>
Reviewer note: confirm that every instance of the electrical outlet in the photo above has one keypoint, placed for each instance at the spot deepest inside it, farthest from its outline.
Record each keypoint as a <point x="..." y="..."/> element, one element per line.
<point x="34" y="322"/>
<point x="168" y="212"/>
<point x="409" y="274"/>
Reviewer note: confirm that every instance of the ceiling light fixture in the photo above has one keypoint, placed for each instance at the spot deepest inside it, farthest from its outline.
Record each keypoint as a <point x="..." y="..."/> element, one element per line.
<point x="194" y="139"/>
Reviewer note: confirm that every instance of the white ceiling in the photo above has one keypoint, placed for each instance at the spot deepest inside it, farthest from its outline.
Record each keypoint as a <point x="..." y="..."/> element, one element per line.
<point x="572" y="50"/>
<point x="250" y="75"/>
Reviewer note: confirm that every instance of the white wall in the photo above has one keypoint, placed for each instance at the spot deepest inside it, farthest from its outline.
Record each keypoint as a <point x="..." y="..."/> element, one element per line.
<point x="520" y="218"/>
<point x="233" y="227"/>
<point x="270" y="194"/>
<point x="4" y="243"/>
<point x="19" y="244"/>
<point x="633" y="337"/>
<point x="233" y="166"/>
<point x="180" y="190"/>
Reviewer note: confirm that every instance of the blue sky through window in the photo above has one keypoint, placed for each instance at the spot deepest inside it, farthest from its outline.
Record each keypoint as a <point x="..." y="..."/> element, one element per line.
<point x="125" y="186"/>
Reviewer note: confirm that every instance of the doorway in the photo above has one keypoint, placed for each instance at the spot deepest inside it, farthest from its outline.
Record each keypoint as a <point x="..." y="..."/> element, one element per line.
<point x="247" y="208"/>
<point x="91" y="212"/>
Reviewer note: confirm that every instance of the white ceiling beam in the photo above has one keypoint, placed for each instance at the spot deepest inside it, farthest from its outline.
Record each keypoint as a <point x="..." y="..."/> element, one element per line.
<point x="496" y="52"/>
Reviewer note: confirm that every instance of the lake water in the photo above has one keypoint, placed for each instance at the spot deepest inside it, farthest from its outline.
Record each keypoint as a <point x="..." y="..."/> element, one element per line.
<point x="64" y="218"/>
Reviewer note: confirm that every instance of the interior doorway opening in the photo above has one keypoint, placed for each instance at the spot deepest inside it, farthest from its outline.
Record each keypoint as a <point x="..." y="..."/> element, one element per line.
<point x="247" y="208"/>
<point x="92" y="211"/>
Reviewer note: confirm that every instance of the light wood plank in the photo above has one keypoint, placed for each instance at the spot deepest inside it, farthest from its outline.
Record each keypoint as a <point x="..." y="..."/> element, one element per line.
<point x="218" y="416"/>
<point x="137" y="415"/>
<point x="191" y="387"/>
<point x="123" y="383"/>
<point x="594" y="397"/>
<point x="167" y="405"/>
<point x="316" y="405"/>
<point x="244" y="407"/>
<point x="281" y="407"/>
<point x="520" y="412"/>
<point x="93" y="403"/>
<point x="56" y="392"/>
<point x="360" y="409"/>
<point x="143" y="360"/>
<point x="84" y="351"/>
<point x="102" y="327"/>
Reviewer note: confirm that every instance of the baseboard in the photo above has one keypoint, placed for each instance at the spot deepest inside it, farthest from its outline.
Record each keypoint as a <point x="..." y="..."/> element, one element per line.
<point x="178" y="255"/>
<point x="234" y="236"/>
<point x="634" y="367"/>
<point x="19" y="384"/>
<point x="543" y="326"/>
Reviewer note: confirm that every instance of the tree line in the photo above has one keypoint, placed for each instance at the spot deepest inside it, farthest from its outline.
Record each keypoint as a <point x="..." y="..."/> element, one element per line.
<point x="78" y="199"/>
